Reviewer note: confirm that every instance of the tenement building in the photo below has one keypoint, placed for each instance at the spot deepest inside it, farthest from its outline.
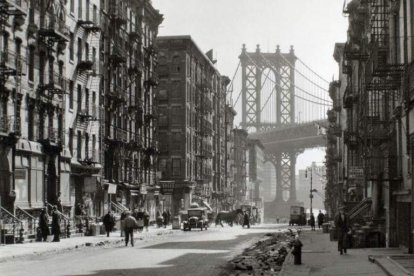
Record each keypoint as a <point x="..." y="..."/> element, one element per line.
<point x="129" y="59"/>
<point x="77" y="114"/>
<point x="371" y="149"/>
<point x="34" y="167"/>
<point x="187" y="100"/>
<point x="239" y="157"/>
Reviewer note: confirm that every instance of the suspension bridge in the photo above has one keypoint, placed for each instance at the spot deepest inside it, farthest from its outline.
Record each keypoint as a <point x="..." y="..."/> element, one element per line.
<point x="284" y="104"/>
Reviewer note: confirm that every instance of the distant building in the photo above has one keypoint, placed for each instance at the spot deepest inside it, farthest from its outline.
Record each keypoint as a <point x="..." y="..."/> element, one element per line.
<point x="240" y="166"/>
<point x="255" y="172"/>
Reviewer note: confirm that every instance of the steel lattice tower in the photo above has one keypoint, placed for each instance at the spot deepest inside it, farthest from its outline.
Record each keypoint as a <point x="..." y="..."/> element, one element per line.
<point x="282" y="65"/>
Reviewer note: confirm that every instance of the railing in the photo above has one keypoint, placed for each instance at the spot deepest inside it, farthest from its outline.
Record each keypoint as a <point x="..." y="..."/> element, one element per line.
<point x="53" y="135"/>
<point x="121" y="134"/>
<point x="119" y="207"/>
<point x="51" y="22"/>
<point x="9" y="125"/>
<point x="117" y="12"/>
<point x="31" y="220"/>
<point x="152" y="80"/>
<point x="56" y="81"/>
<point x="16" y="62"/>
<point x="23" y="4"/>
<point x="89" y="15"/>
<point x="359" y="208"/>
<point x="10" y="223"/>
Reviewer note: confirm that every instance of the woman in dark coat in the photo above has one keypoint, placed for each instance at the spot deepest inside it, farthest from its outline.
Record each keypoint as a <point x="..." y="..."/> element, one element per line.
<point x="55" y="225"/>
<point x="342" y="228"/>
<point x="312" y="222"/>
<point x="44" y="224"/>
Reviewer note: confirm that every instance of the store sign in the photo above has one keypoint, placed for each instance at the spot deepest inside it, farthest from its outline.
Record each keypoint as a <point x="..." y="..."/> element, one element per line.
<point x="90" y="184"/>
<point x="111" y="189"/>
<point x="167" y="186"/>
<point x="355" y="172"/>
<point x="143" y="189"/>
<point x="20" y="174"/>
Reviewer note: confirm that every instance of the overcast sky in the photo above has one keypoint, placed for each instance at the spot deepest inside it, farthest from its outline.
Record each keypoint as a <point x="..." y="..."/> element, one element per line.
<point x="312" y="26"/>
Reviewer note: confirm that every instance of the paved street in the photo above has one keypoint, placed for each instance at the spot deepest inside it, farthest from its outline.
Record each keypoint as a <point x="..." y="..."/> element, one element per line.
<point x="177" y="253"/>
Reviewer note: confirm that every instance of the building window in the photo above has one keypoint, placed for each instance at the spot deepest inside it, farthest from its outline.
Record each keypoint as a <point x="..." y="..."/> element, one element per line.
<point x="176" y="167"/>
<point x="71" y="46"/>
<point x="87" y="101"/>
<point x="31" y="63"/>
<point x="72" y="6"/>
<point x="71" y="94"/>
<point x="79" y="147"/>
<point x="30" y="122"/>
<point x="86" y="145"/>
<point x="71" y="141"/>
<point x="79" y="98"/>
<point x="94" y="155"/>
<point x="79" y="49"/>
<point x="80" y="8"/>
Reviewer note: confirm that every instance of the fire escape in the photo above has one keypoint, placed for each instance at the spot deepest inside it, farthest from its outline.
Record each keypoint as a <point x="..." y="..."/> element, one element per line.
<point x="11" y="65"/>
<point x="88" y="69"/>
<point x="53" y="35"/>
<point x="204" y="132"/>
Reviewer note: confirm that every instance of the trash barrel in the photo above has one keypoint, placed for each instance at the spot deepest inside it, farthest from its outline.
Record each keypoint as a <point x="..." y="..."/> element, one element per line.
<point x="176" y="223"/>
<point x="333" y="236"/>
<point x="93" y="229"/>
<point x="325" y="228"/>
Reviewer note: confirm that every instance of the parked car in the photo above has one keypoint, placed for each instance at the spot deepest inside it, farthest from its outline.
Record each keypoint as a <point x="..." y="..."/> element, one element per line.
<point x="196" y="218"/>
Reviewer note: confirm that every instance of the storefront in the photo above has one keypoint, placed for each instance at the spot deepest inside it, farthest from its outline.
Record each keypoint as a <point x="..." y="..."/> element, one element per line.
<point x="85" y="188"/>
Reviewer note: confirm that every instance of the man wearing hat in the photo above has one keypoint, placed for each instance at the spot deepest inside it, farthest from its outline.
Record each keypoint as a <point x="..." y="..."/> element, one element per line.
<point x="130" y="224"/>
<point x="342" y="228"/>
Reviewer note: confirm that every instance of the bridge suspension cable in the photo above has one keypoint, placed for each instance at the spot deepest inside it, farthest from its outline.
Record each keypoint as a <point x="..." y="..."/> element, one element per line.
<point x="310" y="69"/>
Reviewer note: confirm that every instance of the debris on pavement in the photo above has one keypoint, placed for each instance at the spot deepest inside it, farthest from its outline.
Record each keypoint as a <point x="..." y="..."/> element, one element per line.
<point x="265" y="257"/>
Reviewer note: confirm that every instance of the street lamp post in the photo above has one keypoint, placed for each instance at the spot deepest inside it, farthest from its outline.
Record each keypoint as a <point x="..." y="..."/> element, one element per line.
<point x="311" y="191"/>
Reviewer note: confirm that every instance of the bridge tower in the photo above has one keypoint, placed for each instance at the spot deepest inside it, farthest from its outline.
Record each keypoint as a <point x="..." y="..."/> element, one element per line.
<point x="282" y="66"/>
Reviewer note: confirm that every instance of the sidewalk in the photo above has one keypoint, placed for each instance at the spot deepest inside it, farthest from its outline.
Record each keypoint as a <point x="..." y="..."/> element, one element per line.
<point x="320" y="256"/>
<point x="14" y="251"/>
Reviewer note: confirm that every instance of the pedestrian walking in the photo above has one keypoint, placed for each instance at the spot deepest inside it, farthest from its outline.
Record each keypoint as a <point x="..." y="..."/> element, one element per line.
<point x="321" y="219"/>
<point x="168" y="217"/>
<point x="165" y="218"/>
<point x="109" y="222"/>
<point x="312" y="222"/>
<point x="342" y="228"/>
<point x="44" y="224"/>
<point x="246" y="220"/>
<point x="146" y="219"/>
<point x="140" y="220"/>
<point x="55" y="224"/>
<point x="129" y="224"/>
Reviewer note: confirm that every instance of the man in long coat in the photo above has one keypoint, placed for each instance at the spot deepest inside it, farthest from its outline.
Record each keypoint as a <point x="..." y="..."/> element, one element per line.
<point x="109" y="222"/>
<point x="129" y="225"/>
<point x="44" y="224"/>
<point x="55" y="225"/>
<point x="342" y="228"/>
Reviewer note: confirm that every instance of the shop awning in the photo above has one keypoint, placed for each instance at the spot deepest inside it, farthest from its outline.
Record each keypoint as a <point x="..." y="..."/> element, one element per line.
<point x="207" y="205"/>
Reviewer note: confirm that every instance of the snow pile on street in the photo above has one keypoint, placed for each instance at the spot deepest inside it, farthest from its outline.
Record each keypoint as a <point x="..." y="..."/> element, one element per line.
<point x="265" y="257"/>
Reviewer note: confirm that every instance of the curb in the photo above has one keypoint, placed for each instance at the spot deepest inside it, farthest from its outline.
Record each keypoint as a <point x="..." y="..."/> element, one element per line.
<point x="390" y="266"/>
<point x="80" y="245"/>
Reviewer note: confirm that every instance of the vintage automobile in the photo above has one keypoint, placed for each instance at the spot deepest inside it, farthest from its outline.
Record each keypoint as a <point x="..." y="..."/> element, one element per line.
<point x="197" y="218"/>
<point x="297" y="215"/>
